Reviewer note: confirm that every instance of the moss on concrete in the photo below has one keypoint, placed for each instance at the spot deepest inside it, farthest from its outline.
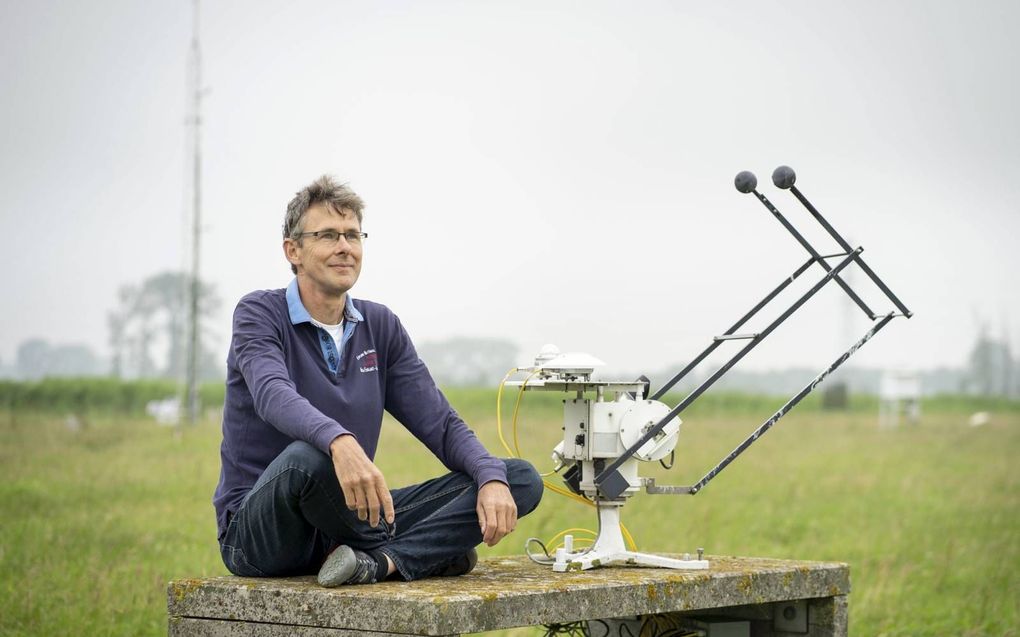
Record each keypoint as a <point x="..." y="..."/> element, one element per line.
<point x="506" y="592"/>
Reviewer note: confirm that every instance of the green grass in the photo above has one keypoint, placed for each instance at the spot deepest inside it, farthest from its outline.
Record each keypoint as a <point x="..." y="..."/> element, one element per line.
<point x="93" y="523"/>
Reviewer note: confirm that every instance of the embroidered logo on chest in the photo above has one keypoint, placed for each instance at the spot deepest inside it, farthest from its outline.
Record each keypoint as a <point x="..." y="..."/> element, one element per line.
<point x="368" y="361"/>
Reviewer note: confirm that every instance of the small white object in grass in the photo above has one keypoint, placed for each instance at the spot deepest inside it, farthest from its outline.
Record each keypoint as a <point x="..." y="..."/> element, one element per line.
<point x="979" y="418"/>
<point x="167" y="412"/>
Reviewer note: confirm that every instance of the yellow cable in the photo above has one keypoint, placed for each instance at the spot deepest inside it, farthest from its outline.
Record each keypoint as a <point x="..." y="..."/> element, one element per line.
<point x="628" y="538"/>
<point x="578" y="544"/>
<point x="568" y="494"/>
<point x="517" y="409"/>
<point x="565" y="531"/>
<point x="581" y="542"/>
<point x="499" y="411"/>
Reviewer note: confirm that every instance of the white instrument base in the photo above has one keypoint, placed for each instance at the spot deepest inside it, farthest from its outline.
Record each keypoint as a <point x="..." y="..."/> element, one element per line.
<point x="609" y="549"/>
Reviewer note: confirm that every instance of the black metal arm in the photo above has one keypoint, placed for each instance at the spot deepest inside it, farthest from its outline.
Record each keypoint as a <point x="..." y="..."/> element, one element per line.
<point x="611" y="483"/>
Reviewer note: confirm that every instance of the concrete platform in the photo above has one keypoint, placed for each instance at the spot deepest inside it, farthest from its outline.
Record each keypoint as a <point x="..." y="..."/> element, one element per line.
<point x="509" y="592"/>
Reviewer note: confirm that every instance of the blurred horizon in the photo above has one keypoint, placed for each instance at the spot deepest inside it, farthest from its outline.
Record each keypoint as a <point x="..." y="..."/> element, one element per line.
<point x="990" y="371"/>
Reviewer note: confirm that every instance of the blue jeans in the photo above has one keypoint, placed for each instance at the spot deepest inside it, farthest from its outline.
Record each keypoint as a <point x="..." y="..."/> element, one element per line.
<point x="295" y="515"/>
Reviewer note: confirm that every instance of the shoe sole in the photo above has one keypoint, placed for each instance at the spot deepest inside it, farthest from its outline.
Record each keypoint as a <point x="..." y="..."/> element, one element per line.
<point x="338" y="567"/>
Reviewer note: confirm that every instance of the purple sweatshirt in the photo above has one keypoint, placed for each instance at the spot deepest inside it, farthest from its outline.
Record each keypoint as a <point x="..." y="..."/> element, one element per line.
<point x="286" y="381"/>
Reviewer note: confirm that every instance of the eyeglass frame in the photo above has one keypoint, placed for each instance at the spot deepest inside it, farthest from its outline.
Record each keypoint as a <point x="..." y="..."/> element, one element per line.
<point x="318" y="234"/>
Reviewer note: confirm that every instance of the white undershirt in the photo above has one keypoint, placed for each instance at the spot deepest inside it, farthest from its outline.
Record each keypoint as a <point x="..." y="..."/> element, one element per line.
<point x="336" y="331"/>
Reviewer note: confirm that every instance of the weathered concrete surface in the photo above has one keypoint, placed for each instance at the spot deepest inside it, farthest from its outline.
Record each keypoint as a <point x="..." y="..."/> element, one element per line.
<point x="507" y="592"/>
<point x="190" y="627"/>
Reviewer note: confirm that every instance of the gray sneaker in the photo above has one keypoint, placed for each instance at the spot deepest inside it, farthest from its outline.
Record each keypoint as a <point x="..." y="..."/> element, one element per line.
<point x="347" y="566"/>
<point x="462" y="566"/>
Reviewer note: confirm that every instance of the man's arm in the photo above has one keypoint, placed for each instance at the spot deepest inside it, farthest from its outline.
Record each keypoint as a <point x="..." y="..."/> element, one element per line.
<point x="363" y="484"/>
<point x="413" y="398"/>
<point x="497" y="512"/>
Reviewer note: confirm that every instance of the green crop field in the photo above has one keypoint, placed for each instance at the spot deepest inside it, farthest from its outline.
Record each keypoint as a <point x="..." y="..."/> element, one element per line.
<point x="96" y="518"/>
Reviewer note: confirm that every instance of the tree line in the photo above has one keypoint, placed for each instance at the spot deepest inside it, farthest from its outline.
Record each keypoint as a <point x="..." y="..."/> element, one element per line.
<point x="146" y="333"/>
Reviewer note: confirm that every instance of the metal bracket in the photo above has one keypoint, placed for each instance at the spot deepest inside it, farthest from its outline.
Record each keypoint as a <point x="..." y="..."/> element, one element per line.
<point x="665" y="489"/>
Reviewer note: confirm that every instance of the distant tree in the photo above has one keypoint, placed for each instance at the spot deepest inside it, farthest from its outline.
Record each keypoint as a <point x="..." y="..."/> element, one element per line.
<point x="115" y="326"/>
<point x="74" y="360"/>
<point x="32" y="359"/>
<point x="990" y="366"/>
<point x="474" y="362"/>
<point x="152" y="316"/>
<point x="36" y="358"/>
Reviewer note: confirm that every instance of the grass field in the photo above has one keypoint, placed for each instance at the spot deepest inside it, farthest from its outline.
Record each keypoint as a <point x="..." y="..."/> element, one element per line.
<point x="94" y="522"/>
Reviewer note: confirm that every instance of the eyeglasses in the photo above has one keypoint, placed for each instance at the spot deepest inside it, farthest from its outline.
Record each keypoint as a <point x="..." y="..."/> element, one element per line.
<point x="331" y="237"/>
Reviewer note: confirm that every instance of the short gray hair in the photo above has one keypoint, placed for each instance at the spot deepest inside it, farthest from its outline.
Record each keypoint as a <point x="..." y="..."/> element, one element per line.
<point x="337" y="196"/>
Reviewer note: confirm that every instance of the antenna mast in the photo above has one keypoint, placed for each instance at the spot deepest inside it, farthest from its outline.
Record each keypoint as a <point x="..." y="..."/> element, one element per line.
<point x="195" y="121"/>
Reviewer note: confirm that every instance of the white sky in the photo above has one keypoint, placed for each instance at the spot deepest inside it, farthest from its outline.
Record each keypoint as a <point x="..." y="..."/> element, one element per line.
<point x="542" y="171"/>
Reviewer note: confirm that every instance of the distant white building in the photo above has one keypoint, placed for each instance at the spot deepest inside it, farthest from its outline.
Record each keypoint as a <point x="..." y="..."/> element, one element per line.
<point x="899" y="394"/>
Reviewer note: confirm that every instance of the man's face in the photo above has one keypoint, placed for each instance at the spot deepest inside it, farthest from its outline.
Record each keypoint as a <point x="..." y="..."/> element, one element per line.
<point x="331" y="267"/>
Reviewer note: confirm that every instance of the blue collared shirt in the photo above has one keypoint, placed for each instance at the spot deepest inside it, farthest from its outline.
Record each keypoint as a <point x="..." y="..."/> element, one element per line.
<point x="299" y="314"/>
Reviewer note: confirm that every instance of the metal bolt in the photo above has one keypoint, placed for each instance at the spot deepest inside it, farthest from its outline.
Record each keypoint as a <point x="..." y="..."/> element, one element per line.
<point x="701" y="552"/>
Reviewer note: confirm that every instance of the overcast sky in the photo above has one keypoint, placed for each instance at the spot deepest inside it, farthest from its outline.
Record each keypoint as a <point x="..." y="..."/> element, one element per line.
<point x="541" y="171"/>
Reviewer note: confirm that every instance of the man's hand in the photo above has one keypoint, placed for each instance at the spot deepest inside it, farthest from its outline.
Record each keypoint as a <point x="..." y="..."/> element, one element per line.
<point x="497" y="512"/>
<point x="363" y="484"/>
